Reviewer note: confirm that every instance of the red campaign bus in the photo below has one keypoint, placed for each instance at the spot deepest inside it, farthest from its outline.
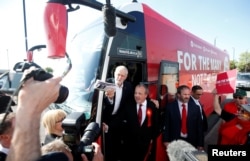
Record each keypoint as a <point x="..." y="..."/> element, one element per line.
<point x="156" y="51"/>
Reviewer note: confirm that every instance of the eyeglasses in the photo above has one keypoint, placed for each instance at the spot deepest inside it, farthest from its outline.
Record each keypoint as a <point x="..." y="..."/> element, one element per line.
<point x="238" y="97"/>
<point x="60" y="120"/>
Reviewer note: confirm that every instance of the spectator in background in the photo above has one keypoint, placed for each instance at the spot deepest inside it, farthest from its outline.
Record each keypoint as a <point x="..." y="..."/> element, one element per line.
<point x="114" y="102"/>
<point x="196" y="94"/>
<point x="239" y="98"/>
<point x="234" y="107"/>
<point x="52" y="122"/>
<point x="236" y="129"/>
<point x="183" y="120"/>
<point x="6" y="132"/>
<point x="141" y="126"/>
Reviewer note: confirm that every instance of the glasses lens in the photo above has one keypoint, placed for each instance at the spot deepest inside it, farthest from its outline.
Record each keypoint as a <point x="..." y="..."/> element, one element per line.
<point x="238" y="97"/>
<point x="61" y="120"/>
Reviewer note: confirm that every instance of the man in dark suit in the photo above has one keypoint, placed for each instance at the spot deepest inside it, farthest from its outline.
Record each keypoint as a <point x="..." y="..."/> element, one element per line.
<point x="6" y="132"/>
<point x="196" y="94"/>
<point x="183" y="125"/>
<point x="141" y="126"/>
<point x="114" y="102"/>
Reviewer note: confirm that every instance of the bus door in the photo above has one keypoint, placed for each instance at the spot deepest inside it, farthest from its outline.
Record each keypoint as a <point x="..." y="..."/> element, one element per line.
<point x="168" y="81"/>
<point x="135" y="73"/>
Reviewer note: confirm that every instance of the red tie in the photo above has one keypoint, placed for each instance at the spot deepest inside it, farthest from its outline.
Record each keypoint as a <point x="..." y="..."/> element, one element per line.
<point x="139" y="114"/>
<point x="184" y="119"/>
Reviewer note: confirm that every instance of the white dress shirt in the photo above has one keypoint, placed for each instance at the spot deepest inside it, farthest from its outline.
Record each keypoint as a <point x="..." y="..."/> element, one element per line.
<point x="118" y="97"/>
<point x="3" y="149"/>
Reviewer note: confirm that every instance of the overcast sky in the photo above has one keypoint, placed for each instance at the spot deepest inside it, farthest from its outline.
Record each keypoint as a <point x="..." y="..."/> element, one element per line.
<point x="224" y="22"/>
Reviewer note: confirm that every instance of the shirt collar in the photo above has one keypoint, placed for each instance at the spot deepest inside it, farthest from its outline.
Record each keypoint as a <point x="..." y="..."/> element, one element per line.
<point x="180" y="103"/>
<point x="196" y="100"/>
<point x="144" y="103"/>
<point x="119" y="86"/>
<point x="3" y="149"/>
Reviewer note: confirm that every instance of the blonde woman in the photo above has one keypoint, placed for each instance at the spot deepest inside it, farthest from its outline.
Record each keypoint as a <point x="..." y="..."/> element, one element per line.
<point x="52" y="122"/>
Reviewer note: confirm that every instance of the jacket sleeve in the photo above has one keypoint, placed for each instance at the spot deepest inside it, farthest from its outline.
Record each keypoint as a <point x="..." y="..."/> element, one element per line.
<point x="166" y="128"/>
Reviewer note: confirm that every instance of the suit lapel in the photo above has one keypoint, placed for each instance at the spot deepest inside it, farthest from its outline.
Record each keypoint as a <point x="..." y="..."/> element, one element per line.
<point x="177" y="110"/>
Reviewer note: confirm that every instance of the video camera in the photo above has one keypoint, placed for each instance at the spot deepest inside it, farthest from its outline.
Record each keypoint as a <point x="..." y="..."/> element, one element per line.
<point x="79" y="135"/>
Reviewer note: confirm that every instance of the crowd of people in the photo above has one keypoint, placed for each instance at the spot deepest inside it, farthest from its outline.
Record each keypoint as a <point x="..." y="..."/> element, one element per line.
<point x="131" y="122"/>
<point x="20" y="139"/>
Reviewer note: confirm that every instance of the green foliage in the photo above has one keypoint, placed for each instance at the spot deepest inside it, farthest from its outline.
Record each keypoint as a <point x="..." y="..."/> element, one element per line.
<point x="233" y="64"/>
<point x="244" y="62"/>
<point x="49" y="69"/>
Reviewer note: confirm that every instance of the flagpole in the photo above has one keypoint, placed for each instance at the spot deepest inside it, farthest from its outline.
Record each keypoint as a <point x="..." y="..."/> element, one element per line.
<point x="25" y="27"/>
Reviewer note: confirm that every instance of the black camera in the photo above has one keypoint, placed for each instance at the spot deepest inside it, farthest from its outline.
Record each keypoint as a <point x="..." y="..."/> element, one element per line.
<point x="41" y="75"/>
<point x="79" y="134"/>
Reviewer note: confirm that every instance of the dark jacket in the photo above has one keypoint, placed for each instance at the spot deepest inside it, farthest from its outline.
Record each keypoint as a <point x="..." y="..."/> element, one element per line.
<point x="204" y="119"/>
<point x="113" y="138"/>
<point x="172" y="124"/>
<point x="137" y="139"/>
<point x="114" y="120"/>
<point x="2" y="156"/>
<point x="49" y="138"/>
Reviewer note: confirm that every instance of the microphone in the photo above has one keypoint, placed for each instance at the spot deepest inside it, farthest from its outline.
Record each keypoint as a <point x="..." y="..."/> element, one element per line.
<point x="177" y="149"/>
<point x="109" y="14"/>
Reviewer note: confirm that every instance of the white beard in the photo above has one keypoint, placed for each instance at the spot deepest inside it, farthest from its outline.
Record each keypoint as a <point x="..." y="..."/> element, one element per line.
<point x="177" y="148"/>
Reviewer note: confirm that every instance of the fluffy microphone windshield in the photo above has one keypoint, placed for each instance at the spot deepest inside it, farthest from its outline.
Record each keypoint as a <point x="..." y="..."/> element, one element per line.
<point x="177" y="148"/>
<point x="109" y="19"/>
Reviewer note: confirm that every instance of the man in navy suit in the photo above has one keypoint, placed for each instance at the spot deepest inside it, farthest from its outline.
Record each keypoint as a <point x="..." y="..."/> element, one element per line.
<point x="173" y="124"/>
<point x="114" y="102"/>
<point x="196" y="94"/>
<point x="140" y="133"/>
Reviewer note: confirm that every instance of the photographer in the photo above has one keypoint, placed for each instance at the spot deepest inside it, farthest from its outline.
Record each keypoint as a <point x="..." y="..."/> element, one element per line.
<point x="33" y="98"/>
<point x="58" y="145"/>
<point x="52" y="122"/>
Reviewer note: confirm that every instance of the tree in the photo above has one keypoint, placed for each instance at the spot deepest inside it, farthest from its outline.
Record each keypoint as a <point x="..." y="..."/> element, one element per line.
<point x="49" y="69"/>
<point x="244" y="62"/>
<point x="233" y="64"/>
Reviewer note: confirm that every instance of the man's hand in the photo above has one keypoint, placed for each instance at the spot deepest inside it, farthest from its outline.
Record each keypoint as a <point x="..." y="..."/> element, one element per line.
<point x="110" y="93"/>
<point x="38" y="93"/>
<point x="105" y="127"/>
<point x="33" y="98"/>
<point x="98" y="156"/>
<point x="156" y="102"/>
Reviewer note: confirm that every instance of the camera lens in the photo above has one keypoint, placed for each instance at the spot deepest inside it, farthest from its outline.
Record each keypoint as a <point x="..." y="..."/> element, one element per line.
<point x="63" y="94"/>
